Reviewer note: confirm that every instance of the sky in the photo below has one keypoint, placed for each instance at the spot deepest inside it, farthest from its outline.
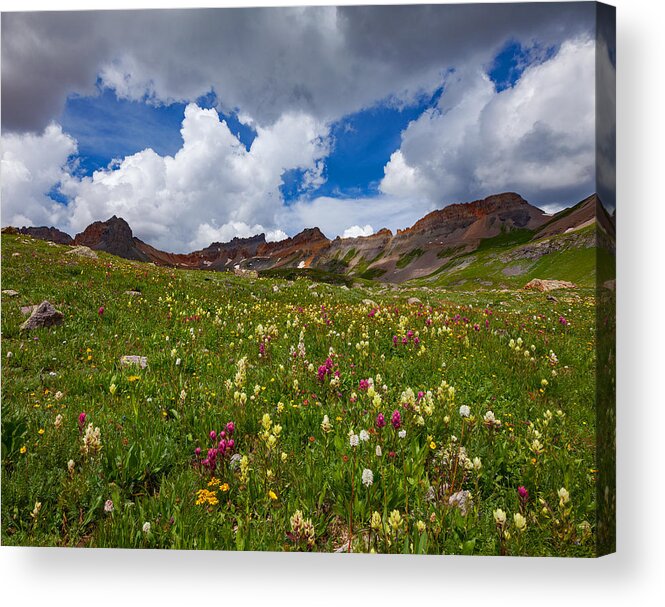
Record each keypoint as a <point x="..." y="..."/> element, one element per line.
<point x="201" y="125"/>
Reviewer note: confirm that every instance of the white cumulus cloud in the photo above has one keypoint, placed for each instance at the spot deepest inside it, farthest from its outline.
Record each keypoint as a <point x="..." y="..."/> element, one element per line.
<point x="32" y="164"/>
<point x="211" y="189"/>
<point x="536" y="138"/>
<point x="355" y="231"/>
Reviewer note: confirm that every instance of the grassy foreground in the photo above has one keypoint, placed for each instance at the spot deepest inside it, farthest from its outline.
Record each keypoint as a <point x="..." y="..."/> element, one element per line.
<point x="292" y="415"/>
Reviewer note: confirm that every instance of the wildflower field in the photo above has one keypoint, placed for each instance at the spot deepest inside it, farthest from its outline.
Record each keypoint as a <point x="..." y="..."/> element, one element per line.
<point x="274" y="414"/>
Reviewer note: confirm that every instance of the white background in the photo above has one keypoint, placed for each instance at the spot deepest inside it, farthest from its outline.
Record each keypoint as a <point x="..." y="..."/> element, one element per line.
<point x="633" y="576"/>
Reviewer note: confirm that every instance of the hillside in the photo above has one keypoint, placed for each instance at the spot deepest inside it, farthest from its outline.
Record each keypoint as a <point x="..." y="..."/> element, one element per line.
<point x="496" y="241"/>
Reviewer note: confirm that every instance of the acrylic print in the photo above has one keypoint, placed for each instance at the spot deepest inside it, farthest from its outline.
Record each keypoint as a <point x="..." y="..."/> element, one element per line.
<point x="327" y="279"/>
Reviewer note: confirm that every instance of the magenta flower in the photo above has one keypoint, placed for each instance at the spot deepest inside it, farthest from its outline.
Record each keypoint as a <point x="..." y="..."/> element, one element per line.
<point x="394" y="340"/>
<point x="523" y="492"/>
<point x="197" y="451"/>
<point x="380" y="420"/>
<point x="213" y="435"/>
<point x="230" y="427"/>
<point x="396" y="419"/>
<point x="101" y="311"/>
<point x="82" y="417"/>
<point x="363" y="385"/>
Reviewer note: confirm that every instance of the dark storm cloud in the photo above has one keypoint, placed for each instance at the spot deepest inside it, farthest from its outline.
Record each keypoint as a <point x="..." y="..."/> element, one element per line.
<point x="325" y="61"/>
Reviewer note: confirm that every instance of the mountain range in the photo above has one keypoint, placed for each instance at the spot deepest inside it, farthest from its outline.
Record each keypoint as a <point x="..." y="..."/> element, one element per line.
<point x="431" y="244"/>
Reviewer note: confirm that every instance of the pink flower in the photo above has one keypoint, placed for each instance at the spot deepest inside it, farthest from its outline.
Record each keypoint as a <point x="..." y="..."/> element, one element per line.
<point x="363" y="385"/>
<point x="380" y="420"/>
<point x="108" y="506"/>
<point x="101" y="311"/>
<point x="230" y="427"/>
<point x="396" y="419"/>
<point x="523" y="492"/>
<point x="213" y="435"/>
<point x="197" y="451"/>
<point x="82" y="417"/>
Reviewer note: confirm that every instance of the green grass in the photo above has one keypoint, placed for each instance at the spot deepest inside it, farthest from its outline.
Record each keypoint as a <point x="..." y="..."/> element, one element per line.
<point x="313" y="274"/>
<point x="223" y="348"/>
<point x="372" y="273"/>
<point x="409" y="257"/>
<point x="509" y="238"/>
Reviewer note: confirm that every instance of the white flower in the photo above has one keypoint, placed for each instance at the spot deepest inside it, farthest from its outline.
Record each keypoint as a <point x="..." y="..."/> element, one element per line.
<point x="401" y="433"/>
<point x="464" y="411"/>
<point x="326" y="426"/>
<point x="58" y="420"/>
<point x="477" y="464"/>
<point x="378" y="451"/>
<point x="353" y="440"/>
<point x="9" y="354"/>
<point x="177" y="362"/>
<point x="368" y="477"/>
<point x="564" y="496"/>
<point x="500" y="517"/>
<point x="58" y="395"/>
<point x="146" y="527"/>
<point x="520" y="521"/>
<point x="364" y="435"/>
<point x="489" y="417"/>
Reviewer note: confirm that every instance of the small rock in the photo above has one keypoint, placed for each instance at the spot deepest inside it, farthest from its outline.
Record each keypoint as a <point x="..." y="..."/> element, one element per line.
<point x="10" y="292"/>
<point x="548" y="285"/>
<point x="82" y="251"/>
<point x="610" y="284"/>
<point x="132" y="359"/>
<point x="552" y="298"/>
<point x="44" y="315"/>
<point x="370" y="302"/>
<point x="16" y="254"/>
<point x="312" y="286"/>
<point x="412" y="301"/>
<point x="133" y="293"/>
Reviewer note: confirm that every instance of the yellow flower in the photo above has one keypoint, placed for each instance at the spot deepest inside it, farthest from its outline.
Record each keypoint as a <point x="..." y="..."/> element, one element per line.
<point x="203" y="496"/>
<point x="133" y="378"/>
<point x="272" y="495"/>
<point x="224" y="487"/>
<point x="432" y="445"/>
<point x="213" y="482"/>
<point x="40" y="431"/>
<point x="23" y="449"/>
<point x="520" y="521"/>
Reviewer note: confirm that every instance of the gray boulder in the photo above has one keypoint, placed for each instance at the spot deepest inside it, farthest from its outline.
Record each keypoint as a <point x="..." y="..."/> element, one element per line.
<point x="44" y="315"/>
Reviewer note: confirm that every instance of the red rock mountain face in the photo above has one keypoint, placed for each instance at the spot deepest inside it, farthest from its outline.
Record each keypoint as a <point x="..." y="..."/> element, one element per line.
<point x="44" y="233"/>
<point x="113" y="236"/>
<point x="429" y="243"/>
